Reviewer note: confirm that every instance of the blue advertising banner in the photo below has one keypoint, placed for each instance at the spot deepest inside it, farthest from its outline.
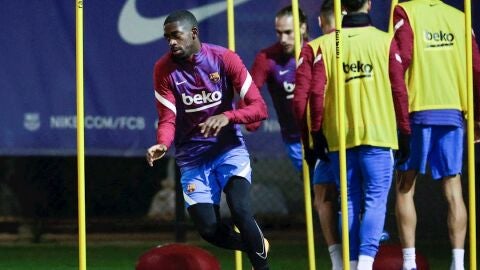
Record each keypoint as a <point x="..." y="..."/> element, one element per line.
<point x="123" y="39"/>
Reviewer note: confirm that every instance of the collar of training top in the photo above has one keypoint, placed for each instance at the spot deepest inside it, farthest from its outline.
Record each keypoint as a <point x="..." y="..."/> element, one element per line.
<point x="356" y="20"/>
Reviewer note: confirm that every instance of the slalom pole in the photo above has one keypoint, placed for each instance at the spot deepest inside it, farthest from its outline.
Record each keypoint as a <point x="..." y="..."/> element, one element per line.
<point x="340" y="83"/>
<point x="390" y="23"/>
<point x="305" y="168"/>
<point x="470" y="136"/>
<point x="231" y="46"/>
<point x="82" y="243"/>
<point x="231" y="24"/>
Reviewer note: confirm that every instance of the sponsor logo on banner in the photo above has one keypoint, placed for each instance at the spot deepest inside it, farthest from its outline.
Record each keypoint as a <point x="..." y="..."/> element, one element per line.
<point x="98" y="122"/>
<point x="136" y="29"/>
<point x="31" y="121"/>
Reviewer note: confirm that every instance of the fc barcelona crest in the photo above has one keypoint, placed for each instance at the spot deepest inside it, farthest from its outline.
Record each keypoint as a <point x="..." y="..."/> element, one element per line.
<point x="214" y="77"/>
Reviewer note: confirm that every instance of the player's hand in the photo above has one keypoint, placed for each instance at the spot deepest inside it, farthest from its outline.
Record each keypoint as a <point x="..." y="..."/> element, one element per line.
<point x="155" y="152"/>
<point x="320" y="145"/>
<point x="309" y="156"/>
<point x="213" y="125"/>
<point x="251" y="127"/>
<point x="403" y="152"/>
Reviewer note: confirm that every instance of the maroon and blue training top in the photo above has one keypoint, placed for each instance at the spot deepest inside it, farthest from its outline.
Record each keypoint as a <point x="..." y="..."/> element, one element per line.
<point x="190" y="91"/>
<point x="277" y="69"/>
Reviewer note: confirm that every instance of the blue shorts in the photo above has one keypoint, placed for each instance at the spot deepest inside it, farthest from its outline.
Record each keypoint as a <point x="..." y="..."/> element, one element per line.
<point x="323" y="173"/>
<point x="439" y="147"/>
<point x="294" y="151"/>
<point x="204" y="183"/>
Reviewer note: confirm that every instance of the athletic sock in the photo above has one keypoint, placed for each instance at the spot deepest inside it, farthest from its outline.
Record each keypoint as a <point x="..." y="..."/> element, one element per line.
<point x="335" y="251"/>
<point x="353" y="265"/>
<point x="365" y="262"/>
<point x="409" y="262"/>
<point x="457" y="259"/>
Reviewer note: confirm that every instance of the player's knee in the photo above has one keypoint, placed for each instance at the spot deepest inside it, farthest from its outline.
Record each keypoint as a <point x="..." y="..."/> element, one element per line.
<point x="240" y="211"/>
<point x="208" y="231"/>
<point x="405" y="182"/>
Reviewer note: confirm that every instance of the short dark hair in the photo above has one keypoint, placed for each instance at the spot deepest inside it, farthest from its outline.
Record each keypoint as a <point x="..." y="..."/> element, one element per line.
<point x="353" y="5"/>
<point x="288" y="11"/>
<point x="327" y="7"/>
<point x="182" y="16"/>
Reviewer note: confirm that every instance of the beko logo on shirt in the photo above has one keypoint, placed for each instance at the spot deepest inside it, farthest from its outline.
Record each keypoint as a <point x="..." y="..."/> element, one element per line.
<point x="439" y="36"/>
<point x="357" y="67"/>
<point x="203" y="98"/>
<point x="438" y="39"/>
<point x="207" y="99"/>
<point x="289" y="87"/>
<point x="360" y="70"/>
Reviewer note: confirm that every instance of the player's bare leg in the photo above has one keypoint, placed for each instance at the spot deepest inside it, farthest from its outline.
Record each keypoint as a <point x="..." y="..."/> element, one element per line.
<point x="456" y="218"/>
<point x="325" y="204"/>
<point x="406" y="215"/>
<point x="457" y="212"/>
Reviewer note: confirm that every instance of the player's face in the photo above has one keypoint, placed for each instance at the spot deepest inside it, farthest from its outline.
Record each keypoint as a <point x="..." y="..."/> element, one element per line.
<point x="285" y="35"/>
<point x="180" y="37"/>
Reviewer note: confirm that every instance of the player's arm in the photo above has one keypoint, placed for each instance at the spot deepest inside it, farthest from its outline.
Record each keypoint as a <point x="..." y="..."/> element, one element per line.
<point x="476" y="86"/>
<point x="259" y="71"/>
<point x="317" y="96"/>
<point x="165" y="103"/>
<point x="255" y="108"/>
<point x="317" y="92"/>
<point x="400" y="103"/>
<point x="403" y="36"/>
<point x="303" y="77"/>
<point x="399" y="89"/>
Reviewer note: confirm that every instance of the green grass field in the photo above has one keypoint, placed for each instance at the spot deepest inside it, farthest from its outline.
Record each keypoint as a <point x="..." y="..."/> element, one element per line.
<point x="122" y="254"/>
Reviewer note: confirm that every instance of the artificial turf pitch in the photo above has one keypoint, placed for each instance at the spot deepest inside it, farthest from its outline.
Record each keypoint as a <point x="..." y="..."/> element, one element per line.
<point x="119" y="255"/>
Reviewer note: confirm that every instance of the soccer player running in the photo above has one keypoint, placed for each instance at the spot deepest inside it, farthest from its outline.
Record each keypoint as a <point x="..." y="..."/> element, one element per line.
<point x="275" y="66"/>
<point x="324" y="188"/>
<point x="376" y="104"/>
<point x="194" y="87"/>
<point x="431" y="40"/>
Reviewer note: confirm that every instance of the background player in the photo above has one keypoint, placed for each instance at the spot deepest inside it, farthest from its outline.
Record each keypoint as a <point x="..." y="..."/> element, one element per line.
<point x="194" y="86"/>
<point x="376" y="99"/>
<point x="275" y="65"/>
<point x="324" y="187"/>
<point x="431" y="39"/>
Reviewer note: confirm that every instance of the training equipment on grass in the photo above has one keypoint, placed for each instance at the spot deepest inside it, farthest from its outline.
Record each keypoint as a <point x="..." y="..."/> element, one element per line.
<point x="390" y="257"/>
<point x="177" y="256"/>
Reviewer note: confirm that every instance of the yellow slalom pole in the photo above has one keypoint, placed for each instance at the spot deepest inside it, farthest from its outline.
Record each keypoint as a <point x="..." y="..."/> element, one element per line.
<point x="470" y="136"/>
<point x="231" y="25"/>
<point x="341" y="133"/>
<point x="82" y="243"/>
<point x="231" y="46"/>
<point x="296" y="28"/>
<point x="390" y="23"/>
<point x="305" y="169"/>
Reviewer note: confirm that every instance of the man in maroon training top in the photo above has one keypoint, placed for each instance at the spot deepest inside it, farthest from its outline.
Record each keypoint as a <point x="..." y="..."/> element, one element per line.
<point x="275" y="66"/>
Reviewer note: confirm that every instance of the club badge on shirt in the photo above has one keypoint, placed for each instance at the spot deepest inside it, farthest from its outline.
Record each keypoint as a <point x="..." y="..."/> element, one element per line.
<point x="191" y="188"/>
<point x="214" y="77"/>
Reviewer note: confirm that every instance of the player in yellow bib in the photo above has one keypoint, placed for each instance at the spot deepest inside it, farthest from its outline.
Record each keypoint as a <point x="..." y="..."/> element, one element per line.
<point x="431" y="40"/>
<point x="376" y="104"/>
